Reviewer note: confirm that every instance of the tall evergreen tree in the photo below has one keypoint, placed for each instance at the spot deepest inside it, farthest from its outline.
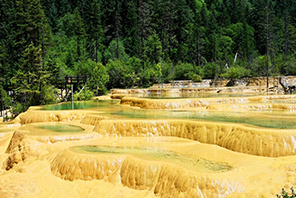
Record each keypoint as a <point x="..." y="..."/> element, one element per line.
<point x="144" y="14"/>
<point x="130" y="30"/>
<point x="79" y="31"/>
<point x="153" y="49"/>
<point x="31" y="78"/>
<point x="32" y="24"/>
<point x="94" y="29"/>
<point x="32" y="37"/>
<point x="9" y="52"/>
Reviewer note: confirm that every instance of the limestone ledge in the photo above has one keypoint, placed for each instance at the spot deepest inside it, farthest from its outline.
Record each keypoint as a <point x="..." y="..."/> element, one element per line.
<point x="253" y="106"/>
<point x="104" y="97"/>
<point x="92" y="119"/>
<point x="20" y="148"/>
<point x="22" y="145"/>
<point x="118" y="96"/>
<point x="64" y="138"/>
<point x="236" y="137"/>
<point x="35" y="115"/>
<point x="20" y="135"/>
<point x="128" y="91"/>
<point x="146" y="103"/>
<point x="163" y="179"/>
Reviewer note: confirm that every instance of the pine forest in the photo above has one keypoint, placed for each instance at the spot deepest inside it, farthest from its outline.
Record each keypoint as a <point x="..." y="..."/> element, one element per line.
<point x="136" y="43"/>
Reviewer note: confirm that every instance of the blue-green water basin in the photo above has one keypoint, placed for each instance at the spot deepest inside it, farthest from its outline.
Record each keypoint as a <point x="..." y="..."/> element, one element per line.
<point x="62" y="128"/>
<point x="196" y="95"/>
<point x="268" y="120"/>
<point x="155" y="153"/>
<point x="51" y="129"/>
<point x="82" y="105"/>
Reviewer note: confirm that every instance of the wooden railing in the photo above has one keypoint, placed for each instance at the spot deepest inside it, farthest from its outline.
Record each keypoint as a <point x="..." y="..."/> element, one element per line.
<point x="79" y="79"/>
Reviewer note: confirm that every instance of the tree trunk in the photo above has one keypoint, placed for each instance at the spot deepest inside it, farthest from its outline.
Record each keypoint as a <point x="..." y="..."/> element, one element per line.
<point x="286" y="89"/>
<point x="267" y="48"/>
<point x="216" y="69"/>
<point x="286" y="35"/>
<point x="78" y="47"/>
<point x="198" y="49"/>
<point x="116" y="31"/>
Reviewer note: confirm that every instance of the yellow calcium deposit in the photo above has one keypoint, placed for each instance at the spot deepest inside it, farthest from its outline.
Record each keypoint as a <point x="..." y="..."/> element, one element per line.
<point x="40" y="163"/>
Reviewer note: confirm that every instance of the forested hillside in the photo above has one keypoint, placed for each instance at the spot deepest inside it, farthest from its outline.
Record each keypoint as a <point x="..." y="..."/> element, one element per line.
<point x="125" y="43"/>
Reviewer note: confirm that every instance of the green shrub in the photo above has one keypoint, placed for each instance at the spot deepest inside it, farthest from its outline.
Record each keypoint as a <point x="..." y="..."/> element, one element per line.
<point x="235" y="72"/>
<point x="285" y="194"/>
<point x="84" y="95"/>
<point x="16" y="109"/>
<point x="194" y="77"/>
<point x="182" y="71"/>
<point x="167" y="70"/>
<point x="5" y="99"/>
<point x="209" y="70"/>
<point x="49" y="95"/>
<point x="97" y="73"/>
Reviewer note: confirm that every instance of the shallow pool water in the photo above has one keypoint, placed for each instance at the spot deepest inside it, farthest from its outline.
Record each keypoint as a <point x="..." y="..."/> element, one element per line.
<point x="51" y="129"/>
<point x="269" y="118"/>
<point x="196" y="95"/>
<point x="251" y="118"/>
<point x="82" y="105"/>
<point x="159" y="154"/>
<point x="61" y="128"/>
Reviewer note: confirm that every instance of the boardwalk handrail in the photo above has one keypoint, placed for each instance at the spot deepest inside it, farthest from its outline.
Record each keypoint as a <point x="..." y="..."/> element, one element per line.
<point x="78" y="79"/>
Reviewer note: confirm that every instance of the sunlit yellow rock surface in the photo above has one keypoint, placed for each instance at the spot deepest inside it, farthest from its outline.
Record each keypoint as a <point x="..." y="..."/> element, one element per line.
<point x="102" y="153"/>
<point x="92" y="119"/>
<point x="34" y="115"/>
<point x="193" y="102"/>
<point x="239" y="138"/>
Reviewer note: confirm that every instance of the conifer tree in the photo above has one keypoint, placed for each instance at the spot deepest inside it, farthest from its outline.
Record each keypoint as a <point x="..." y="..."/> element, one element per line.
<point x="96" y="31"/>
<point x="33" y="38"/>
<point x="153" y="49"/>
<point x="79" y="30"/>
<point x="31" y="77"/>
<point x="144" y="13"/>
<point x="130" y="30"/>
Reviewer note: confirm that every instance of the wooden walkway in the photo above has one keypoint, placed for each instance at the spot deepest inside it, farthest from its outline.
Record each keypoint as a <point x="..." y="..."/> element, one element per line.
<point x="70" y="80"/>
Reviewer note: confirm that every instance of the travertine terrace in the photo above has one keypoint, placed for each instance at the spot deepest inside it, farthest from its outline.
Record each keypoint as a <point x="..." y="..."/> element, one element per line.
<point x="157" y="146"/>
